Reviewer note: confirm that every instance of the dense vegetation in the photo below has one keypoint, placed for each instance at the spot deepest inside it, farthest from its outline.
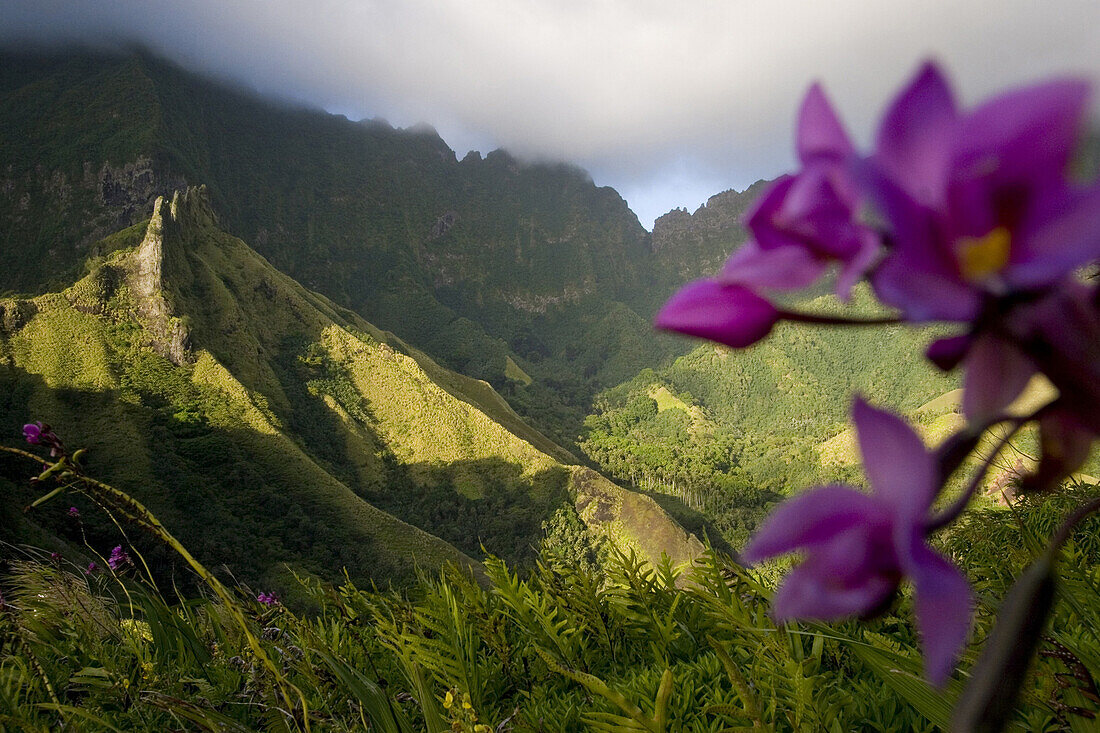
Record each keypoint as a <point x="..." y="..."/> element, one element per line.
<point x="558" y="648"/>
<point x="273" y="428"/>
<point x="727" y="433"/>
<point x="481" y="263"/>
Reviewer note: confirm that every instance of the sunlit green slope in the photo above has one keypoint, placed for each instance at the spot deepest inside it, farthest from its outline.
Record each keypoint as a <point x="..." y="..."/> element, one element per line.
<point x="527" y="276"/>
<point x="271" y="425"/>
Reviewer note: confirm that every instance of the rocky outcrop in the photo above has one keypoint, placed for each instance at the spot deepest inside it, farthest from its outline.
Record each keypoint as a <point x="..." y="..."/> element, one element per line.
<point x="443" y="225"/>
<point x="631" y="521"/>
<point x="127" y="189"/>
<point x="172" y="223"/>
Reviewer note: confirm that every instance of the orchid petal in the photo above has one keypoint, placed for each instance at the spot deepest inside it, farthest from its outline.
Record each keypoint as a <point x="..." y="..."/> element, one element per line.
<point x="1066" y="443"/>
<point x="820" y="133"/>
<point x="948" y="353"/>
<point x="899" y="468"/>
<point x="811" y="518"/>
<point x="996" y="373"/>
<point x="729" y="314"/>
<point x="1060" y="235"/>
<point x="808" y="592"/>
<point x="783" y="268"/>
<point x="817" y="213"/>
<point x="1064" y="328"/>
<point x="855" y="268"/>
<point x="917" y="276"/>
<point x="943" y="605"/>
<point x="1026" y="135"/>
<point x="924" y="296"/>
<point x="760" y="218"/>
<point x="913" y="144"/>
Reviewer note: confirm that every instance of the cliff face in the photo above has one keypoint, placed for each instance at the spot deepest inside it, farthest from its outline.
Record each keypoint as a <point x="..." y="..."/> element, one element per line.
<point x="688" y="246"/>
<point x="57" y="215"/>
<point x="479" y="261"/>
<point x="181" y="219"/>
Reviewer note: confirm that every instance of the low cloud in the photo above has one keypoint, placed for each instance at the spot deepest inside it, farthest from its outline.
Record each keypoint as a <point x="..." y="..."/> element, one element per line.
<point x="668" y="102"/>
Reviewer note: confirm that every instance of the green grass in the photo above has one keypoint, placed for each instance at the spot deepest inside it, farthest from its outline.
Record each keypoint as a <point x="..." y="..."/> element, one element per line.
<point x="666" y="400"/>
<point x="512" y="371"/>
<point x="630" y="647"/>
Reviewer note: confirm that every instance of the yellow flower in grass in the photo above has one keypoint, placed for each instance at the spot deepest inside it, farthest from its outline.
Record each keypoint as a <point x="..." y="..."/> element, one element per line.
<point x="136" y="628"/>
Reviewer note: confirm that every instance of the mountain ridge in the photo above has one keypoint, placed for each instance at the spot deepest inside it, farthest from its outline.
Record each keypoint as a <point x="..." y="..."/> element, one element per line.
<point x="478" y="261"/>
<point x="205" y="336"/>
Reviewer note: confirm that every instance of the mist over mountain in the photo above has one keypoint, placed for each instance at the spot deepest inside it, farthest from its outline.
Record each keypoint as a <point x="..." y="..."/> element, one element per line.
<point x="527" y="276"/>
<point x="395" y="446"/>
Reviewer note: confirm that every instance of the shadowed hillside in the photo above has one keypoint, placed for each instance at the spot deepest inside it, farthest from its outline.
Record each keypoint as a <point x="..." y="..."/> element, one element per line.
<point x="251" y="412"/>
<point x="527" y="276"/>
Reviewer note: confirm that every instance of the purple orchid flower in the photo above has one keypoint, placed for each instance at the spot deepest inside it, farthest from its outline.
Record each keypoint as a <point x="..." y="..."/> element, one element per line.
<point x="981" y="218"/>
<point x="807" y="220"/>
<point x="74" y="512"/>
<point x="858" y="547"/>
<point x="978" y="203"/>
<point x="729" y="314"/>
<point x="268" y="599"/>
<point x="118" y="558"/>
<point x="92" y="567"/>
<point x="32" y="432"/>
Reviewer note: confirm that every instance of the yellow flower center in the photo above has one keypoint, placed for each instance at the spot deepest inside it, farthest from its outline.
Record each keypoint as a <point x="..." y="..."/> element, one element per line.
<point x="980" y="257"/>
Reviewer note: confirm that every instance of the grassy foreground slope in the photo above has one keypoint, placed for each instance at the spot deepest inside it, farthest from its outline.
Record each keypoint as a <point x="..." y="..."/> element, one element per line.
<point x="271" y="425"/>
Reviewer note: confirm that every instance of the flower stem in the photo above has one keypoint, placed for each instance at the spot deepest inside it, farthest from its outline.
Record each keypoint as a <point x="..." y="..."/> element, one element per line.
<point x="950" y="514"/>
<point x="824" y="320"/>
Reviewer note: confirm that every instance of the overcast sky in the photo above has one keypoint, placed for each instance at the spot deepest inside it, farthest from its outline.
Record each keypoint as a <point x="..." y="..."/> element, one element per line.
<point x="668" y="102"/>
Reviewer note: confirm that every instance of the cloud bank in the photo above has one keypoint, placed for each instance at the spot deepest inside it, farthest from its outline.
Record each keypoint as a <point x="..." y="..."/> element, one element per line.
<point x="668" y="102"/>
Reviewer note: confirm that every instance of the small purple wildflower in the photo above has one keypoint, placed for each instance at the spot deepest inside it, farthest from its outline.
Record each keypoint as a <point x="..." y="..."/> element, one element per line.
<point x="268" y="599"/>
<point x="92" y="567"/>
<point x="74" y="512"/>
<point x="119" y="558"/>
<point x="37" y="433"/>
<point x="55" y="558"/>
<point x="859" y="547"/>
<point x="33" y="432"/>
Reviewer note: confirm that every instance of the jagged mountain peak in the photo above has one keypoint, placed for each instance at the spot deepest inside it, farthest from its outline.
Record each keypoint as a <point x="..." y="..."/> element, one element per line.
<point x="190" y="210"/>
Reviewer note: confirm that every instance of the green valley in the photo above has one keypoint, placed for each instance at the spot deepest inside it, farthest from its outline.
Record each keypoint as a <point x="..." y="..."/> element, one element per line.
<point x="271" y="426"/>
<point x="359" y="434"/>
